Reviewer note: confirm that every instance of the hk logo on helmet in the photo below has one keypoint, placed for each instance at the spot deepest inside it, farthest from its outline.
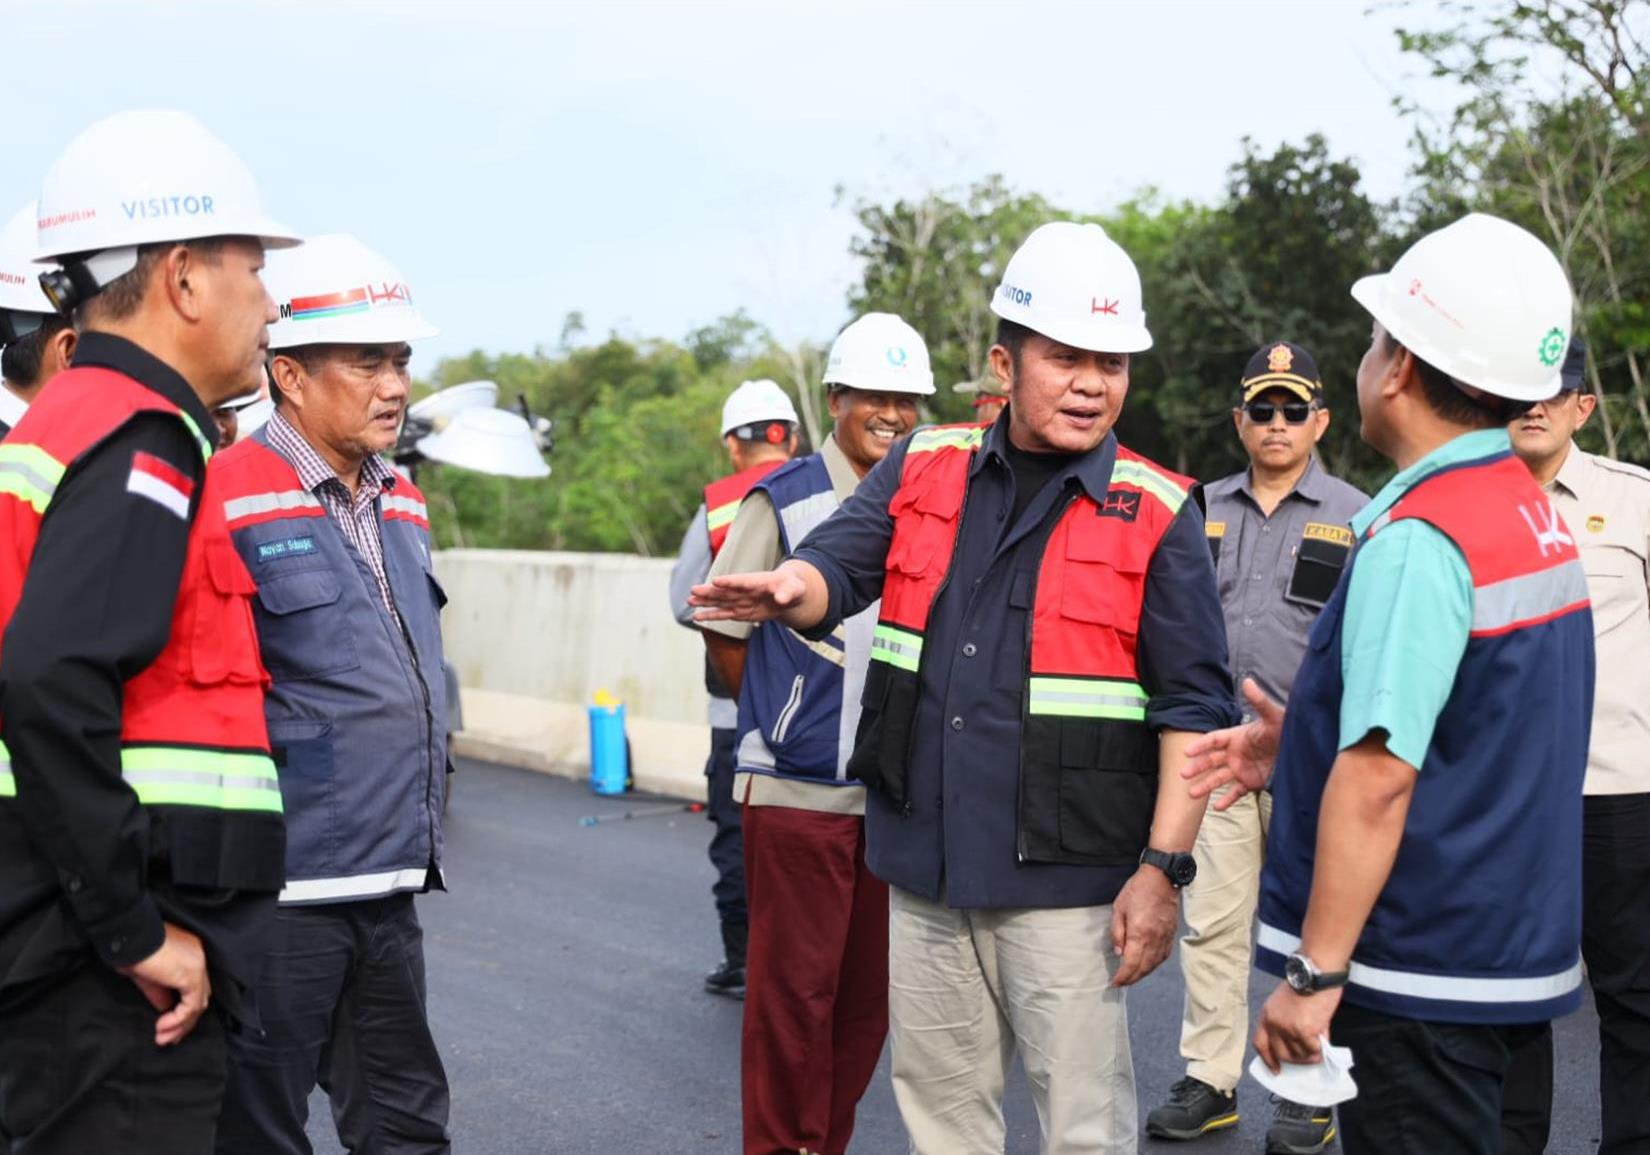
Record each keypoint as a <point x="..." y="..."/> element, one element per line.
<point x="1107" y="306"/>
<point x="897" y="356"/>
<point x="1549" y="531"/>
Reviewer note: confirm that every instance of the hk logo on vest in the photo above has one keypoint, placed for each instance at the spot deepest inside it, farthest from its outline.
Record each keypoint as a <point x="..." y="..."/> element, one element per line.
<point x="1544" y="523"/>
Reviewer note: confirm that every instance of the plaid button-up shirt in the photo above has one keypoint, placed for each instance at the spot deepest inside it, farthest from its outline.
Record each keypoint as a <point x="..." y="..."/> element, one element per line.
<point x="357" y="514"/>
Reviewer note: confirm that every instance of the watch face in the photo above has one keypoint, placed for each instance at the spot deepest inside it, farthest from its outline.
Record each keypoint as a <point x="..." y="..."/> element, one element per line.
<point x="1185" y="869"/>
<point x="1297" y="974"/>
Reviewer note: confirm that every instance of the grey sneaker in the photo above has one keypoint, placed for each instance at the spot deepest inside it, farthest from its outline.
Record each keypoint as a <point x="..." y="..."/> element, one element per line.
<point x="1194" y="1109"/>
<point x="1299" y="1130"/>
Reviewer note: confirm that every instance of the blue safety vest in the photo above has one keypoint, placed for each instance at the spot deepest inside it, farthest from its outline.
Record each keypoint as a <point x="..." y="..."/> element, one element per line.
<point x="1480" y="920"/>
<point x="799" y="700"/>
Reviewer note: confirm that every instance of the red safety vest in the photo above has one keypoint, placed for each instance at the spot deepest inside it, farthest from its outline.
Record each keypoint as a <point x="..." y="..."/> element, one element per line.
<point x="722" y="500"/>
<point x="192" y="723"/>
<point x="1084" y="704"/>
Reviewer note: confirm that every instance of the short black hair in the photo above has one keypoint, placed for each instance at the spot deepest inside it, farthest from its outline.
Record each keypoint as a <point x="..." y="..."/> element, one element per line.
<point x="20" y="361"/>
<point x="121" y="297"/>
<point x="1449" y="399"/>
<point x="1012" y="336"/>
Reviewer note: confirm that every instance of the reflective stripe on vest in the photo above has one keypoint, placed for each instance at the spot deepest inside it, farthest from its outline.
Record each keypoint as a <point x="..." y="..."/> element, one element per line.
<point x="1087" y="698"/>
<point x="722" y="516"/>
<point x="946" y="437"/>
<point x="8" y="784"/>
<point x="190" y="776"/>
<point x="30" y="474"/>
<point x="899" y="648"/>
<point x="264" y="506"/>
<point x="1125" y="472"/>
<point x="406" y="509"/>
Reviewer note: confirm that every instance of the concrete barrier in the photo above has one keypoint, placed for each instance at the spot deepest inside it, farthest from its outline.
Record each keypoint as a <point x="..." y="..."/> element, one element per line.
<point x="534" y="635"/>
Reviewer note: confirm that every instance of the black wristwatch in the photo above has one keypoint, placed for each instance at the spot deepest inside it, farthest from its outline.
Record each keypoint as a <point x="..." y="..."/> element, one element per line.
<point x="1303" y="975"/>
<point x="1178" y="865"/>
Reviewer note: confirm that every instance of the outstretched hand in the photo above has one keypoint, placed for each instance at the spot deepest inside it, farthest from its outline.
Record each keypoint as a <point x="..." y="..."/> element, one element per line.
<point x="1242" y="755"/>
<point x="747" y="597"/>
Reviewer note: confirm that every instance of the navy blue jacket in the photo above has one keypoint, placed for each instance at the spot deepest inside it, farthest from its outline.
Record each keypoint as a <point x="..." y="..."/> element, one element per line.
<point x="959" y="837"/>
<point x="357" y="717"/>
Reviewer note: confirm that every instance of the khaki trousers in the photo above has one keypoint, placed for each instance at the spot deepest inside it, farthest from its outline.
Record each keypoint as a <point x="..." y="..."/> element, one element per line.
<point x="1215" y="957"/>
<point x="967" y="988"/>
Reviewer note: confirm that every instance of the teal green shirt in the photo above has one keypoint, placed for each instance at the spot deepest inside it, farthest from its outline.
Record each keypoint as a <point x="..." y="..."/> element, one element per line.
<point x="1408" y="613"/>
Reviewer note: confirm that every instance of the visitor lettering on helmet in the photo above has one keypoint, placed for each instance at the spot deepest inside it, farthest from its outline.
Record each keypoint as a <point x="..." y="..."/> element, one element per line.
<point x="173" y="206"/>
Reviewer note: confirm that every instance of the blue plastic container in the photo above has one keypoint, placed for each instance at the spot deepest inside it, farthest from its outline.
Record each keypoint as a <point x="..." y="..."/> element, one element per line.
<point x="609" y="757"/>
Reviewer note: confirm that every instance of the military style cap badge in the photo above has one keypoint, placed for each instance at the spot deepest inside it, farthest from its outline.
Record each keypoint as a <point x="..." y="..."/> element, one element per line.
<point x="1281" y="359"/>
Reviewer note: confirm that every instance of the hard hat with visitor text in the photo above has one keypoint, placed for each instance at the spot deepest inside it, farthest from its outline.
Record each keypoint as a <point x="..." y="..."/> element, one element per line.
<point x="1482" y="300"/>
<point x="755" y="403"/>
<point x="880" y="353"/>
<point x="137" y="178"/>
<point x="334" y="290"/>
<point x="1074" y="284"/>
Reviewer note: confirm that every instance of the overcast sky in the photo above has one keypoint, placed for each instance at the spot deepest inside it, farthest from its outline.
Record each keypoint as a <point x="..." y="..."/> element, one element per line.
<point x="657" y="165"/>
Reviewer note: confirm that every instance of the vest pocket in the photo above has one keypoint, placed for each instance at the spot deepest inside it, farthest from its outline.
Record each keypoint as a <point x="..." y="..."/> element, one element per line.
<point x="302" y="638"/>
<point x="1088" y="789"/>
<point x="882" y="743"/>
<point x="304" y="760"/>
<point x="221" y="642"/>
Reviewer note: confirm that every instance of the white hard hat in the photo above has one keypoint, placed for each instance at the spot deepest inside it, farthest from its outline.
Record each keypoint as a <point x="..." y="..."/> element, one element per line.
<point x="1482" y="300"/>
<point x="756" y="403"/>
<point x="493" y="441"/>
<point x="334" y="290"/>
<point x="880" y="353"/>
<point x="143" y="177"/>
<point x="1076" y="285"/>
<point x="20" y="290"/>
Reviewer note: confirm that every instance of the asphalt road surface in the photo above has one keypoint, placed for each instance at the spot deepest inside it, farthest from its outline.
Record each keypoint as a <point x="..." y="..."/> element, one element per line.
<point x="564" y="972"/>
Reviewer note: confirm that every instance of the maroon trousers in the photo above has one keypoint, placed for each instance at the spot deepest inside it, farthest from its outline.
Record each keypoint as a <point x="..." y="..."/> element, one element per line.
<point x="816" y="979"/>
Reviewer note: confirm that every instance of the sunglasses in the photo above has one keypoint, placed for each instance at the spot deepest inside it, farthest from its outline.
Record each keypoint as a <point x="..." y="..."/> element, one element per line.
<point x="1294" y="412"/>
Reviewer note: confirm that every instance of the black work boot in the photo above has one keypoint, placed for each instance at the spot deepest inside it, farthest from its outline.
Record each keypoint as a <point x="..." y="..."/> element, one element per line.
<point x="1194" y="1109"/>
<point x="728" y="979"/>
<point x="1299" y="1130"/>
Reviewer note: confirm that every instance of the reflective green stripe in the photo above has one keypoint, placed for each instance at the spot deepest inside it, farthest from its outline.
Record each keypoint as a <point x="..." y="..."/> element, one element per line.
<point x="8" y="784"/>
<point x="206" y="446"/>
<point x="30" y="474"/>
<point x="1088" y="698"/>
<point x="722" y="515"/>
<point x="183" y="776"/>
<point x="935" y="437"/>
<point x="1153" y="482"/>
<point x="899" y="648"/>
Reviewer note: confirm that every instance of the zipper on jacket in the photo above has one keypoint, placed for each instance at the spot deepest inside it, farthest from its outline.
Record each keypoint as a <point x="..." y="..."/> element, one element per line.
<point x="429" y="738"/>
<point x="782" y="726"/>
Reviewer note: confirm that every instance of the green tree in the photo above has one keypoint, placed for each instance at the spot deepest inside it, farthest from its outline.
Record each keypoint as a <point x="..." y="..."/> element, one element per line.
<point x="1553" y="131"/>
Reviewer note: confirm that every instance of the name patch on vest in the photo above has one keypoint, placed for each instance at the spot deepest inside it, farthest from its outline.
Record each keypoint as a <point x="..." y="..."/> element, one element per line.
<point x="1123" y="503"/>
<point x="1318" y="531"/>
<point x="291" y="547"/>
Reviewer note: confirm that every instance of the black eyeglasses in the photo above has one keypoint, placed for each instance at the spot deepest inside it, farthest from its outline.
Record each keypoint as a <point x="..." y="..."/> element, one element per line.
<point x="1294" y="412"/>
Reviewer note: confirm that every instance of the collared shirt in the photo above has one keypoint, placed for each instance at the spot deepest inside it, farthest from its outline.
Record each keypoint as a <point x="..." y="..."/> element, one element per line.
<point x="1606" y="505"/>
<point x="692" y="567"/>
<point x="1408" y="612"/>
<point x="959" y="839"/>
<point x="752" y="545"/>
<point x="1276" y="572"/>
<point x="357" y="513"/>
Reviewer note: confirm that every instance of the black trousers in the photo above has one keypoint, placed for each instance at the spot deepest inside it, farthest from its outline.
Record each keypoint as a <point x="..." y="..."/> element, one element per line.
<point x="342" y="999"/>
<point x="1615" y="942"/>
<point x="1424" y="1088"/>
<point x="727" y="844"/>
<point x="80" y="1073"/>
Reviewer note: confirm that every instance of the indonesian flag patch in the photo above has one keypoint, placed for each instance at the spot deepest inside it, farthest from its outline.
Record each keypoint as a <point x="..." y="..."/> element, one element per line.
<point x="160" y="483"/>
